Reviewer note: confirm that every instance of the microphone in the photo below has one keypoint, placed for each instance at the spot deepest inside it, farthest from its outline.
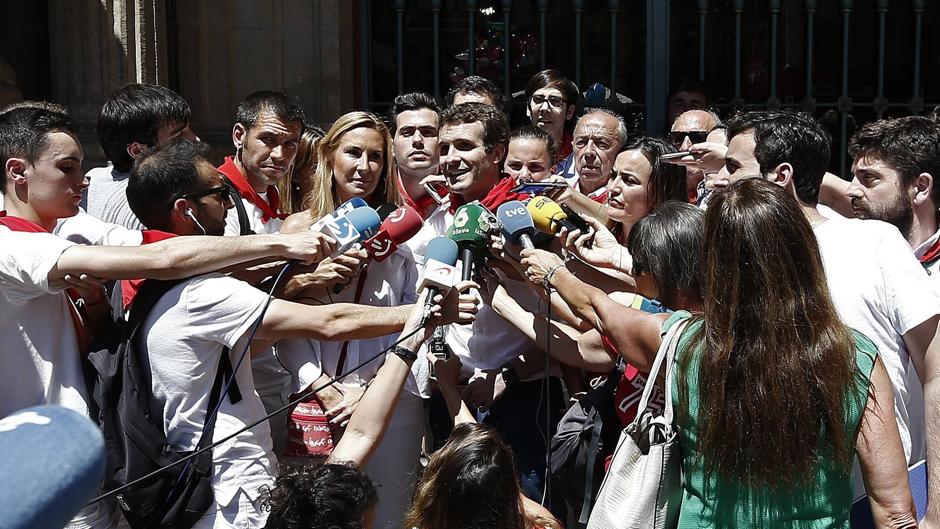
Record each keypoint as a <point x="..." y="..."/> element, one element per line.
<point x="440" y="270"/>
<point x="548" y="216"/>
<point x="399" y="225"/>
<point x="471" y="227"/>
<point x="517" y="223"/>
<point x="348" y="230"/>
<point x="342" y="210"/>
<point x="52" y="460"/>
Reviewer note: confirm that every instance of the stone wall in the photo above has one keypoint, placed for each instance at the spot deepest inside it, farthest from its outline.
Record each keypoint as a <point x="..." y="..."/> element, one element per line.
<point x="213" y="52"/>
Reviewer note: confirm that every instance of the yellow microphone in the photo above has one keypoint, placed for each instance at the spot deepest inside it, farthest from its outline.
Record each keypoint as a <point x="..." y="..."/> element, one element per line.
<point x="548" y="216"/>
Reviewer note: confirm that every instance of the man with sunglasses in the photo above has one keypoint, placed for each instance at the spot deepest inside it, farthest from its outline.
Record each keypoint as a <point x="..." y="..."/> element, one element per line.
<point x="690" y="128"/>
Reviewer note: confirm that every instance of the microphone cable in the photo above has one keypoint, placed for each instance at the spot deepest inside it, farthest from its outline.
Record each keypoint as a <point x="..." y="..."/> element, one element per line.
<point x="300" y="397"/>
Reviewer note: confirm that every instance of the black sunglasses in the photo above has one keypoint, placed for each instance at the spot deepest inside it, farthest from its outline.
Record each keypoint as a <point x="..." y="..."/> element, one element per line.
<point x="223" y="191"/>
<point x="695" y="136"/>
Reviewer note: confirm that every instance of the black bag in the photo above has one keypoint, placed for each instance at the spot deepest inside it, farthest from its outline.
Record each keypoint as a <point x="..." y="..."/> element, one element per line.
<point x="135" y="442"/>
<point x="586" y="434"/>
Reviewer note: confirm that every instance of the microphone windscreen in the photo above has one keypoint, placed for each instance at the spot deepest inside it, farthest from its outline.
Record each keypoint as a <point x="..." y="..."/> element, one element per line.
<point x="52" y="461"/>
<point x="442" y="249"/>
<point x="546" y="214"/>
<point x="515" y="220"/>
<point x="471" y="226"/>
<point x="365" y="220"/>
<point x="385" y="210"/>
<point x="402" y="224"/>
<point x="351" y="204"/>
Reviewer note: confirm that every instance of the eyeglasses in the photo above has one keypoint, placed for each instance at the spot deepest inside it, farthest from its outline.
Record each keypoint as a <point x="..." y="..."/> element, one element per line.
<point x="553" y="101"/>
<point x="223" y="191"/>
<point x="695" y="136"/>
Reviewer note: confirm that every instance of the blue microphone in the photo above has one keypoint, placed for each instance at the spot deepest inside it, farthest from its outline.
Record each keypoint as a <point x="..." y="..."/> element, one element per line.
<point x="52" y="461"/>
<point x="355" y="227"/>
<point x="516" y="223"/>
<point x="343" y="209"/>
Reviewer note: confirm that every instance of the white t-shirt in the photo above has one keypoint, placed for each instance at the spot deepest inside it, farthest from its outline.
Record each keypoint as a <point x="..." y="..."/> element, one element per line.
<point x="41" y="361"/>
<point x="233" y="228"/>
<point x="185" y="334"/>
<point x="106" y="197"/>
<point x="387" y="284"/>
<point x="881" y="290"/>
<point x="84" y="228"/>
<point x="490" y="341"/>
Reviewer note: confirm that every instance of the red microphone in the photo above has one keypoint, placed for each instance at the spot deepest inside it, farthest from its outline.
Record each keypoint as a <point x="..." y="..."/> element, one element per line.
<point x="401" y="225"/>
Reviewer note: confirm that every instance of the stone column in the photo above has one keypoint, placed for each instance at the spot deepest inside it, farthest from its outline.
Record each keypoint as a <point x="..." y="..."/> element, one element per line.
<point x="97" y="46"/>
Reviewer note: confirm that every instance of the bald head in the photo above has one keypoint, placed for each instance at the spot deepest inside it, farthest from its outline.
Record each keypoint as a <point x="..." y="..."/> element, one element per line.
<point x="695" y="120"/>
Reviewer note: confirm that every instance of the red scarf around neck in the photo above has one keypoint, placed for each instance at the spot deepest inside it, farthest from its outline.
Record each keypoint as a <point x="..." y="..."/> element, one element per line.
<point x="500" y="194"/>
<point x="82" y="333"/>
<point x="269" y="208"/>
<point x="424" y="205"/>
<point x="931" y="255"/>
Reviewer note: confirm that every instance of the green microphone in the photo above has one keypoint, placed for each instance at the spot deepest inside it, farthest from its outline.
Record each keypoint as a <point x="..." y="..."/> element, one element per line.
<point x="470" y="230"/>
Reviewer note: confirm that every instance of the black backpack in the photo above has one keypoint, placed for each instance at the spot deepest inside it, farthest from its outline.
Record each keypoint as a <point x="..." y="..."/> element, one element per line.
<point x="135" y="442"/>
<point x="585" y="435"/>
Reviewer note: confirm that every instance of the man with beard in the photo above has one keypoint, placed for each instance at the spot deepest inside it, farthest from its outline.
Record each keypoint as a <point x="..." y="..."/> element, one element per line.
<point x="897" y="163"/>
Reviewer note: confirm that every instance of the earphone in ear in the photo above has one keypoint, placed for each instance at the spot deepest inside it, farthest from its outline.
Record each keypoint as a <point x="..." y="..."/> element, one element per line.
<point x="189" y="213"/>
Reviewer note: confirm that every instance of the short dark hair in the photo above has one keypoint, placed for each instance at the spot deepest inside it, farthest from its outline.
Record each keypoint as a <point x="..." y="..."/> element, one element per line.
<point x="278" y="103"/>
<point x="910" y="144"/>
<point x="45" y="105"/>
<point x="161" y="175"/>
<point x="134" y="113"/>
<point x="327" y="496"/>
<point x="411" y="101"/>
<point x="24" y="133"/>
<point x="667" y="244"/>
<point x="532" y="132"/>
<point x="553" y="79"/>
<point x="788" y="137"/>
<point x="475" y="84"/>
<point x="495" y="127"/>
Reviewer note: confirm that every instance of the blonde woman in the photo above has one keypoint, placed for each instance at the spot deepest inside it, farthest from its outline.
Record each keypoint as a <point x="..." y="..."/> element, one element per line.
<point x="297" y="183"/>
<point x="355" y="160"/>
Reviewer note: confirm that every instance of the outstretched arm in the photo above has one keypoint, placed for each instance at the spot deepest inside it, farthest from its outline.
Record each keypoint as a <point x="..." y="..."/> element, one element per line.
<point x="374" y="412"/>
<point x="185" y="256"/>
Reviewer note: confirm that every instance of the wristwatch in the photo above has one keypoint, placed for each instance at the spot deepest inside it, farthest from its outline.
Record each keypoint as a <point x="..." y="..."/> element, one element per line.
<point x="405" y="353"/>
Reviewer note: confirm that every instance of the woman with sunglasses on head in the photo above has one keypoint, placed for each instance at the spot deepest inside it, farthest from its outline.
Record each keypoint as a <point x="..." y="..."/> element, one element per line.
<point x="355" y="161"/>
<point x="774" y="395"/>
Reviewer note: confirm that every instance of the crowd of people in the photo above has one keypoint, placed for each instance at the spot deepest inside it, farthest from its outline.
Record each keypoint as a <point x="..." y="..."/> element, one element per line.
<point x="807" y="370"/>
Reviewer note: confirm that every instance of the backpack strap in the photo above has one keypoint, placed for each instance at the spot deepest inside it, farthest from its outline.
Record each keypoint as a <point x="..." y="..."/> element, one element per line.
<point x="218" y="387"/>
<point x="147" y="297"/>
<point x="244" y="225"/>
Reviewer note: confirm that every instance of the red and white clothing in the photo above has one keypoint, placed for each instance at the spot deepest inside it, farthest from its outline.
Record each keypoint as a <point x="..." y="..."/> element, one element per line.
<point x="928" y="253"/>
<point x="262" y="208"/>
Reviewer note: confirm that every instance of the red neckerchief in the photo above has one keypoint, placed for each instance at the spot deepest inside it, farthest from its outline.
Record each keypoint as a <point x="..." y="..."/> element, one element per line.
<point x="500" y="194"/>
<point x="565" y="149"/>
<point x="599" y="195"/>
<point x="931" y="255"/>
<point x="424" y="205"/>
<point x="130" y="287"/>
<point x="269" y="208"/>
<point x="82" y="334"/>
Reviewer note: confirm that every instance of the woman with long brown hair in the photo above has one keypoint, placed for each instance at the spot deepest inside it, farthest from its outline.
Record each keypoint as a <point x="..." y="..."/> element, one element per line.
<point x="775" y="395"/>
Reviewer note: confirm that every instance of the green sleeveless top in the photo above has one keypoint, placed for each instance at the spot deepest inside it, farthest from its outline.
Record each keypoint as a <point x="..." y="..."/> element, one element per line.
<point x="825" y="503"/>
